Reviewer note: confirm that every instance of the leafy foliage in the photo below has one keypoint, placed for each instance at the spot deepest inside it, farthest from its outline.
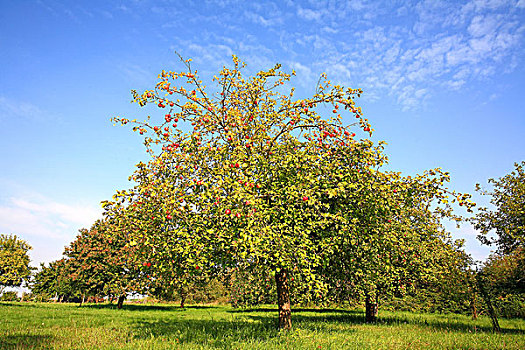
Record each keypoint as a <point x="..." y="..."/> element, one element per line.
<point x="508" y="217"/>
<point x="242" y="187"/>
<point x="507" y="271"/>
<point x="102" y="264"/>
<point x="252" y="178"/>
<point x="14" y="261"/>
<point x="55" y="281"/>
<point x="504" y="272"/>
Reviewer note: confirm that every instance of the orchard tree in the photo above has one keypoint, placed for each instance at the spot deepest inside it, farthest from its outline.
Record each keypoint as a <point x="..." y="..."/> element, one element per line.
<point x="14" y="261"/>
<point x="502" y="275"/>
<point x="238" y="176"/>
<point x="170" y="262"/>
<point x="391" y="238"/>
<point x="43" y="283"/>
<point x="506" y="272"/>
<point x="55" y="281"/>
<point x="102" y="264"/>
<point x="507" y="220"/>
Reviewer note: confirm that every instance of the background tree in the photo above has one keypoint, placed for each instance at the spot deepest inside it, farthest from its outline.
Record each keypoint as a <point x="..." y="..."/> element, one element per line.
<point x="14" y="261"/>
<point x="507" y="220"/>
<point x="55" y="281"/>
<point x="171" y="265"/>
<point x="101" y="263"/>
<point x="392" y="239"/>
<point x="507" y="271"/>
<point x="43" y="285"/>
<point x="501" y="279"/>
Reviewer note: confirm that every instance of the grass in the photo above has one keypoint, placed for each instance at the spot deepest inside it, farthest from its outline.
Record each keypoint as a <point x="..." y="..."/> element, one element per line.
<point x="166" y="326"/>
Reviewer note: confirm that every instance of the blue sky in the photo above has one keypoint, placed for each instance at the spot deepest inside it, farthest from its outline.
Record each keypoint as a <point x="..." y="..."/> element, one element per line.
<point x="443" y="83"/>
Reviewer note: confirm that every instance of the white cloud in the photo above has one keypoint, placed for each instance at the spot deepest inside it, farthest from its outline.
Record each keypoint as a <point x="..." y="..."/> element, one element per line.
<point x="303" y="72"/>
<point x="382" y="47"/>
<point x="483" y="25"/>
<point x="19" y="109"/>
<point x="75" y="214"/>
<point x="47" y="225"/>
<point x="308" y="14"/>
<point x="42" y="217"/>
<point x="270" y="21"/>
<point x="135" y="73"/>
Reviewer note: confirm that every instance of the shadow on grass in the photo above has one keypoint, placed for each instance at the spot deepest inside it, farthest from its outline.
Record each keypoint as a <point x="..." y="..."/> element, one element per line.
<point x="216" y="333"/>
<point x="458" y="326"/>
<point x="244" y="327"/>
<point x="20" y="304"/>
<point x="326" y="319"/>
<point x="294" y="310"/>
<point x="25" y="341"/>
<point x="145" y="307"/>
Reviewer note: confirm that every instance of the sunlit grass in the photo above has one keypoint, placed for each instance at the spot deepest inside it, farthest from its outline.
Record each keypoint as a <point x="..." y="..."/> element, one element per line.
<point x="165" y="326"/>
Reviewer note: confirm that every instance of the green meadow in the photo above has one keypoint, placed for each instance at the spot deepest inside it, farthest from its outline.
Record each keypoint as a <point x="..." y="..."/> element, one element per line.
<point x="167" y="326"/>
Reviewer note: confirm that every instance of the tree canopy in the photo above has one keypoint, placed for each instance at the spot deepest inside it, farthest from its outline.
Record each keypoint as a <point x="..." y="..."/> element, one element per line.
<point x="507" y="220"/>
<point x="14" y="261"/>
<point x="252" y="176"/>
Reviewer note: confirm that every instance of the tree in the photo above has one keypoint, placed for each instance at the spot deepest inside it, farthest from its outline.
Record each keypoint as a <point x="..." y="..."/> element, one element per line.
<point x="502" y="274"/>
<point x="165" y="254"/>
<point x="391" y="239"/>
<point x="43" y="283"/>
<point x="507" y="220"/>
<point x="243" y="186"/>
<point x="102" y="264"/>
<point x="258" y="181"/>
<point x="502" y="282"/>
<point x="55" y="281"/>
<point x="14" y="261"/>
<point x="506" y="272"/>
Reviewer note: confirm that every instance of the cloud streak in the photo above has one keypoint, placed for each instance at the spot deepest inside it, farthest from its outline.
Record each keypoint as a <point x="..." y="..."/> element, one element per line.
<point x="10" y="108"/>
<point x="45" y="218"/>
<point x="46" y="224"/>
<point x="408" y="51"/>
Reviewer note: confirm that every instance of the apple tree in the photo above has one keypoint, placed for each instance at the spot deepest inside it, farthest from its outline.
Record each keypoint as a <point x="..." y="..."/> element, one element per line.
<point x="55" y="281"/>
<point x="100" y="263"/>
<point x="391" y="237"/>
<point x="237" y="176"/>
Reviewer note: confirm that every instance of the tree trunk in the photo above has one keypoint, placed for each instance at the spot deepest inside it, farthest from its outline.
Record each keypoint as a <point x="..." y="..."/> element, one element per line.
<point x="120" y="301"/>
<point x="371" y="307"/>
<point x="473" y="307"/>
<point x="486" y="297"/>
<point x="283" y="300"/>
<point x="182" y="295"/>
